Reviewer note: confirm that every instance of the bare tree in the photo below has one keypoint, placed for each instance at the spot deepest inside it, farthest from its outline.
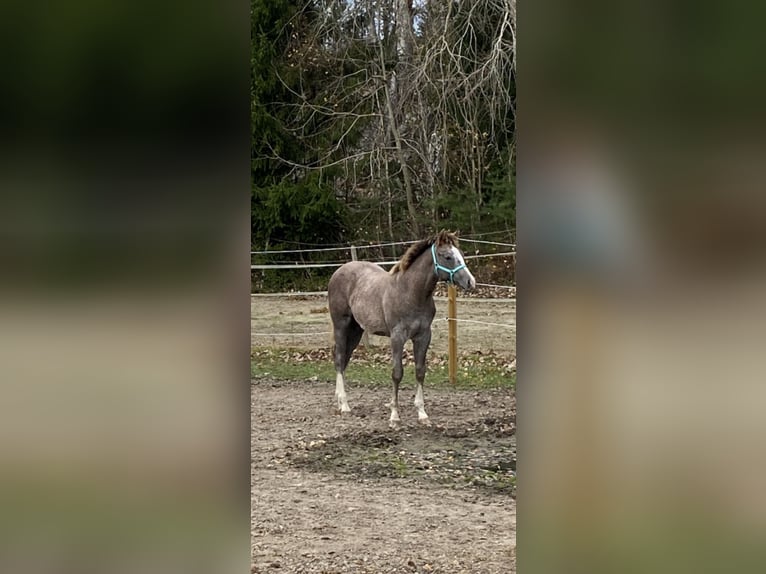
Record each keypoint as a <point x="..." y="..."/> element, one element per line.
<point x="415" y="96"/>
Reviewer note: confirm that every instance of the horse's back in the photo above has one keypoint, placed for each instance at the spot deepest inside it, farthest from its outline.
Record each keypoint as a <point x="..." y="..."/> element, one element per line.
<point x="349" y="275"/>
<point x="357" y="287"/>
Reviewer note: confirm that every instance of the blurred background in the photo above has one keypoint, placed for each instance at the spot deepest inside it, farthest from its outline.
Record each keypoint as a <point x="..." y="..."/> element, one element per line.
<point x="124" y="221"/>
<point x="124" y="179"/>
<point x="641" y="226"/>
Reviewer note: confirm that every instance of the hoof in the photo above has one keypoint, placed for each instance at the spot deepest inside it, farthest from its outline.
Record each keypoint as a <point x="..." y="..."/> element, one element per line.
<point x="395" y="425"/>
<point x="425" y="422"/>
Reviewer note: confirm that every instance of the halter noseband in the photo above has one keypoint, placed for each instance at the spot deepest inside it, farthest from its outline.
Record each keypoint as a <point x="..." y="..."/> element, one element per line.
<point x="438" y="267"/>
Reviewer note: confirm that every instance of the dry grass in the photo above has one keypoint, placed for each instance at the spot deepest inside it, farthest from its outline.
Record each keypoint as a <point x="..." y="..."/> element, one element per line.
<point x="307" y="314"/>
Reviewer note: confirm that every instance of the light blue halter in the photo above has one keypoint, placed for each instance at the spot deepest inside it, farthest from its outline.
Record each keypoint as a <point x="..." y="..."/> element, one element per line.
<point x="438" y="267"/>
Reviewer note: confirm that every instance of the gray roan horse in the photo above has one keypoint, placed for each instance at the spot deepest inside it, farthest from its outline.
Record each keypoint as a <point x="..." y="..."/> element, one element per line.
<point x="398" y="304"/>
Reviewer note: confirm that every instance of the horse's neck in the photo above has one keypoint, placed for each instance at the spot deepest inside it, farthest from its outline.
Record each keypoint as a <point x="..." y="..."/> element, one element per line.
<point x="419" y="281"/>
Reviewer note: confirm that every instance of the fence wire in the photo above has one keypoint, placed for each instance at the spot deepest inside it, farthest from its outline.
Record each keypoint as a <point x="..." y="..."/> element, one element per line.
<point x="480" y="322"/>
<point x="315" y="265"/>
<point x="369" y="246"/>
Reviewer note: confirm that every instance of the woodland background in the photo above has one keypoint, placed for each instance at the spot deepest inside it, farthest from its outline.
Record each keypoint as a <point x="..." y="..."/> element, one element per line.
<point x="376" y="121"/>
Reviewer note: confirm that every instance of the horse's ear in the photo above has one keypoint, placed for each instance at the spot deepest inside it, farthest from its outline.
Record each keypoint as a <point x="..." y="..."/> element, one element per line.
<point x="447" y="237"/>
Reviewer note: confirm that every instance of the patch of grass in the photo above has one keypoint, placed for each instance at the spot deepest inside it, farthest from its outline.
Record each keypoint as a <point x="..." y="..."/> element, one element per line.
<point x="284" y="369"/>
<point x="293" y="364"/>
<point x="399" y="466"/>
<point x="437" y="458"/>
<point x="496" y="481"/>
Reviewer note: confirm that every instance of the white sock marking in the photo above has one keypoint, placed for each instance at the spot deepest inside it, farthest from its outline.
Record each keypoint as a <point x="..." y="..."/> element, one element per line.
<point x="340" y="394"/>
<point x="420" y="403"/>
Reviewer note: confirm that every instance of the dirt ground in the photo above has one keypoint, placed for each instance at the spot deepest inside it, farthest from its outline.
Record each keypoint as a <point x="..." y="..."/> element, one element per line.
<point x="334" y="494"/>
<point x="308" y="314"/>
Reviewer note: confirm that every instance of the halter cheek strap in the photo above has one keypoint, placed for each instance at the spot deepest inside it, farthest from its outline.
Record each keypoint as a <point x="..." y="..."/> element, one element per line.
<point x="438" y="267"/>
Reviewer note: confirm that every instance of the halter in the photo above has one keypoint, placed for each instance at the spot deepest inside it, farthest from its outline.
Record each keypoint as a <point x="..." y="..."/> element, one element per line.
<point x="438" y="267"/>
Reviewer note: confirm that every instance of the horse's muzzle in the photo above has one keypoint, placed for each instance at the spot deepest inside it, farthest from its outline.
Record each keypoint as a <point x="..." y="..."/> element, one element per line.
<point x="465" y="280"/>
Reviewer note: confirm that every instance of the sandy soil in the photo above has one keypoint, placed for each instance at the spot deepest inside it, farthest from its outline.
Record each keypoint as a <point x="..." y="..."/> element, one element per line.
<point x="308" y="314"/>
<point x="336" y="494"/>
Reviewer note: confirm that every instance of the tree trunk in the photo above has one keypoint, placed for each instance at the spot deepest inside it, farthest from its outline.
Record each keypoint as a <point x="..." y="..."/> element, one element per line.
<point x="405" y="168"/>
<point x="404" y="44"/>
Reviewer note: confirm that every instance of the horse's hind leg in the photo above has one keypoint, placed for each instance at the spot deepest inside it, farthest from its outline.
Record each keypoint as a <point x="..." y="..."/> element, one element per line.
<point x="420" y="348"/>
<point x="353" y="336"/>
<point x="397" y="348"/>
<point x="347" y="335"/>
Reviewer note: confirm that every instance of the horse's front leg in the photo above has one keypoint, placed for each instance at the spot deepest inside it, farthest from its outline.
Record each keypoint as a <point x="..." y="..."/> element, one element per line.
<point x="397" y="348"/>
<point x="420" y="349"/>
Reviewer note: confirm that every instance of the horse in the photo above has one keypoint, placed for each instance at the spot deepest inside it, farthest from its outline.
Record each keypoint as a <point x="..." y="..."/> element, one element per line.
<point x="398" y="304"/>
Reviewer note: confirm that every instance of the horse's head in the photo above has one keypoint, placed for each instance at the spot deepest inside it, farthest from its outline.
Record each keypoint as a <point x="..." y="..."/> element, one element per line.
<point x="449" y="264"/>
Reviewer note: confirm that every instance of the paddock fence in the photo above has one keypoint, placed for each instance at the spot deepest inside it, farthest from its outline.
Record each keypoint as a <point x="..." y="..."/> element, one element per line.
<point x="352" y="251"/>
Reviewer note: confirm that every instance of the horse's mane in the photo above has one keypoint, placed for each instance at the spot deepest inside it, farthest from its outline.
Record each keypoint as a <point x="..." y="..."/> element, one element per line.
<point x="416" y="249"/>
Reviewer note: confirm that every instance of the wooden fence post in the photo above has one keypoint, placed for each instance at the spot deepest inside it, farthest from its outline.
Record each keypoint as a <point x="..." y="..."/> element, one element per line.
<point x="365" y="337"/>
<point x="452" y="330"/>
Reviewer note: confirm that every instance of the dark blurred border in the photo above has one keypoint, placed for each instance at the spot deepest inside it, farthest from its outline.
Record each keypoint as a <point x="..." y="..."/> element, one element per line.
<point x="641" y="231"/>
<point x="124" y="242"/>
